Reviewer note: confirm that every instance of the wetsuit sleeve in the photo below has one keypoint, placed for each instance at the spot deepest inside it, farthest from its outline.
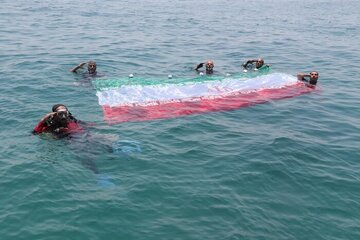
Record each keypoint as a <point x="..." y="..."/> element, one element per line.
<point x="40" y="127"/>
<point x="301" y="77"/>
<point x="200" y="65"/>
<point x="77" y="67"/>
<point x="245" y="65"/>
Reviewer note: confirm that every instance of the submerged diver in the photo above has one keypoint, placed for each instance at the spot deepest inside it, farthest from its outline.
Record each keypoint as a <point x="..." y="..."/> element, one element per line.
<point x="91" y="65"/>
<point x="310" y="78"/>
<point x="259" y="65"/>
<point x="59" y="122"/>
<point x="209" y="67"/>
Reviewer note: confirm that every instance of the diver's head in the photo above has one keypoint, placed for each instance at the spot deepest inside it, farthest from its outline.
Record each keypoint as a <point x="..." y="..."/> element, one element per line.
<point x="58" y="107"/>
<point x="209" y="66"/>
<point x="91" y="67"/>
<point x="259" y="63"/>
<point x="61" y="114"/>
<point x="314" y="76"/>
<point x="61" y="117"/>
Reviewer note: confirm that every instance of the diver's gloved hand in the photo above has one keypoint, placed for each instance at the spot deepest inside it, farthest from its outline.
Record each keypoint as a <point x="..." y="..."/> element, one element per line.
<point x="48" y="118"/>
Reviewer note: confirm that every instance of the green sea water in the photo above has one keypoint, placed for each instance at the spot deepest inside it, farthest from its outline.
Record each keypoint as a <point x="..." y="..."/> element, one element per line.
<point x="286" y="169"/>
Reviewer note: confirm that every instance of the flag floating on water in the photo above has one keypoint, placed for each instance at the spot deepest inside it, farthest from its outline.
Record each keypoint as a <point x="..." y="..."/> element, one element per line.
<point x="124" y="100"/>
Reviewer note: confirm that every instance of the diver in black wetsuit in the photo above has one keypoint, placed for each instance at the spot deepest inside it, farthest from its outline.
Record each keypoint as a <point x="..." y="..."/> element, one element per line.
<point x="91" y="65"/>
<point x="209" y="67"/>
<point x="259" y="64"/>
<point x="310" y="78"/>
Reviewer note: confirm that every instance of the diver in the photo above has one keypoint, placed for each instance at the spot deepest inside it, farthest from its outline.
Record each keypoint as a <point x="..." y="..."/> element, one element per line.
<point x="91" y="70"/>
<point x="59" y="122"/>
<point x="209" y="67"/>
<point x="259" y="65"/>
<point x="63" y="125"/>
<point x="310" y="78"/>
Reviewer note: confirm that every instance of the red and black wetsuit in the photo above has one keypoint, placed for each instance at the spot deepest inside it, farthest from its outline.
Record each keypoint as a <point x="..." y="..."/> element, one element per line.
<point x="71" y="127"/>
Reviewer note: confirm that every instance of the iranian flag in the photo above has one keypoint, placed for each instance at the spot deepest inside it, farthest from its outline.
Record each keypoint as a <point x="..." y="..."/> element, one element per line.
<point x="135" y="99"/>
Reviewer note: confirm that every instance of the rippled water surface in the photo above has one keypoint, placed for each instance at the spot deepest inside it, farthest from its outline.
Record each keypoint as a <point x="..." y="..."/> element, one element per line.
<point x="287" y="169"/>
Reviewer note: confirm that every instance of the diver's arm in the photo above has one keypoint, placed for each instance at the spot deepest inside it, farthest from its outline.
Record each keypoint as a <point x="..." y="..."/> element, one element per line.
<point x="48" y="117"/>
<point x="248" y="62"/>
<point x="39" y="128"/>
<point x="77" y="67"/>
<point x="200" y="65"/>
<point x="42" y="125"/>
<point x="301" y="76"/>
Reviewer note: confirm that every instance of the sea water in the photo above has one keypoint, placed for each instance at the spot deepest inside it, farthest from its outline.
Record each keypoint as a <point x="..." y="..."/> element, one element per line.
<point x="287" y="169"/>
